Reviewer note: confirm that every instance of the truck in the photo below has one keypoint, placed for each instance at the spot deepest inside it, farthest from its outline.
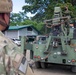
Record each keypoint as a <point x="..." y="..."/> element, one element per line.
<point x="59" y="47"/>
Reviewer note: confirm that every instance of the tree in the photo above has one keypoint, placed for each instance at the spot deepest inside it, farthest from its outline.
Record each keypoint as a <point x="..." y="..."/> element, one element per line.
<point x="36" y="7"/>
<point x="17" y="18"/>
<point x="21" y="19"/>
<point x="38" y="26"/>
<point x="44" y="8"/>
<point x="71" y="8"/>
<point x="73" y="2"/>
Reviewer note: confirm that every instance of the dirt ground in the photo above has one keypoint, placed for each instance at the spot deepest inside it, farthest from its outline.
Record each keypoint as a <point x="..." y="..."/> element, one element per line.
<point x="53" y="70"/>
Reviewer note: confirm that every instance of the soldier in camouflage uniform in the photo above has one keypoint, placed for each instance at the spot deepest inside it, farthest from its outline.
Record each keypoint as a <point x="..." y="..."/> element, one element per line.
<point x="12" y="61"/>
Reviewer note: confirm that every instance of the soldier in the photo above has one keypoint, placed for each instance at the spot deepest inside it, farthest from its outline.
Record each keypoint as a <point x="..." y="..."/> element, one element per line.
<point x="12" y="61"/>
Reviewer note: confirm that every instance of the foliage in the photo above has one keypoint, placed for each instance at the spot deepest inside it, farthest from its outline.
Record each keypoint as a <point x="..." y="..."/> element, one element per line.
<point x="73" y="2"/>
<point x="22" y="19"/>
<point x="17" y="18"/>
<point x="36" y="7"/>
<point x="70" y="7"/>
<point x="37" y="25"/>
<point x="44" y="8"/>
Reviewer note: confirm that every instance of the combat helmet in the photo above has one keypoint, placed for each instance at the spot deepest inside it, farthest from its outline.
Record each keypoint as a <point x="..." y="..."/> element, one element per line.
<point x="5" y="6"/>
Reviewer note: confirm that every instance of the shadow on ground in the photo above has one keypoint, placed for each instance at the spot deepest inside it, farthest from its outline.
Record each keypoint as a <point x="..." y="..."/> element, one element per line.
<point x="54" y="70"/>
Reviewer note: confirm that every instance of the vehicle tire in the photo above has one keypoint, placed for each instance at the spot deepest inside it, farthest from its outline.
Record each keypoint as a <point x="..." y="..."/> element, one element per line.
<point x="37" y="64"/>
<point x="73" y="69"/>
<point x="44" y="65"/>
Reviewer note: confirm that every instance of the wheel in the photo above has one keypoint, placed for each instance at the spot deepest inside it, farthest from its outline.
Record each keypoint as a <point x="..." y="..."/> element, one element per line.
<point x="44" y="65"/>
<point x="73" y="69"/>
<point x="37" y="64"/>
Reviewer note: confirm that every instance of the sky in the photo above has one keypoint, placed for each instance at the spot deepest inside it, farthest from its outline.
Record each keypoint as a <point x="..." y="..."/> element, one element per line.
<point x="17" y="6"/>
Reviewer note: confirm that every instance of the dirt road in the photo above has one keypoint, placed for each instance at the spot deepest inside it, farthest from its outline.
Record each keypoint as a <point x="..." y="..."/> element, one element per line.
<point x="54" y="70"/>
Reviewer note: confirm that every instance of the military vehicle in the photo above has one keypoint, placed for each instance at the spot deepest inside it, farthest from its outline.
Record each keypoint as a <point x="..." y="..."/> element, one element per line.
<point x="59" y="47"/>
<point x="12" y="58"/>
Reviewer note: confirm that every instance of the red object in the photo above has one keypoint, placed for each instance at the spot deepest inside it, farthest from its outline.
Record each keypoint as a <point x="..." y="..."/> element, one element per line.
<point x="35" y="56"/>
<point x="73" y="60"/>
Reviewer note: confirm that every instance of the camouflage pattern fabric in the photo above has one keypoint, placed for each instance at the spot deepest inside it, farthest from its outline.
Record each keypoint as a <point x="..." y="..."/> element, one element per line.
<point x="12" y="61"/>
<point x="5" y="6"/>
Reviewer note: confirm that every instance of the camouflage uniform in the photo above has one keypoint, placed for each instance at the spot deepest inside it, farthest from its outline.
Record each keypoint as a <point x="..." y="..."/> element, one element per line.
<point x="12" y="61"/>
